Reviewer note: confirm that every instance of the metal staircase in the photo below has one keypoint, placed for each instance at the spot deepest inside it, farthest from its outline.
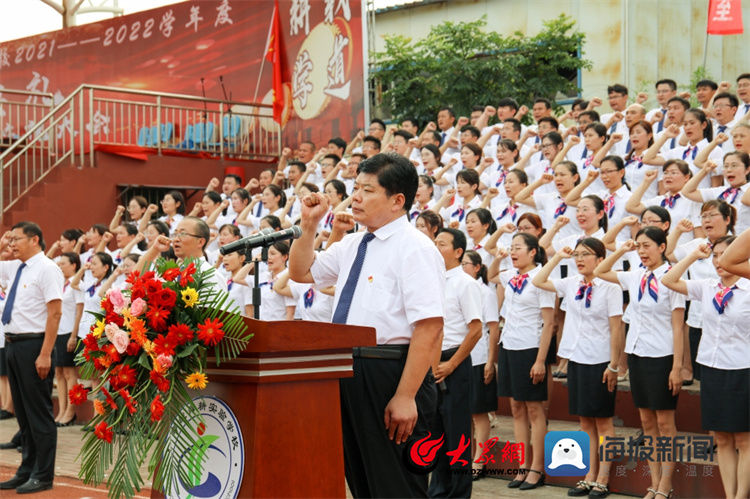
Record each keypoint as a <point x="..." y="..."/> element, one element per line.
<point x="42" y="134"/>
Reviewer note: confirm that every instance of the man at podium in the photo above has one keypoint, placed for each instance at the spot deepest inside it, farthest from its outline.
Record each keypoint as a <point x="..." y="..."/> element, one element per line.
<point x="390" y="277"/>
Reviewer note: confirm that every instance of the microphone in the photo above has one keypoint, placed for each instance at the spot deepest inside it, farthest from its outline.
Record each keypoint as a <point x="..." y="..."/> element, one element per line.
<point x="264" y="238"/>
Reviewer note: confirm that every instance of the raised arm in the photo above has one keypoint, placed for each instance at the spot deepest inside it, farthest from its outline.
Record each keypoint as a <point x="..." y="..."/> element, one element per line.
<point x="690" y="189"/>
<point x="572" y="141"/>
<point x="302" y="254"/>
<point x="151" y="210"/>
<point x="673" y="278"/>
<point x="524" y="161"/>
<point x="546" y="240"/>
<point x="735" y="257"/>
<point x="604" y="269"/>
<point x="673" y="237"/>
<point x="132" y="244"/>
<point x="604" y="151"/>
<point x="610" y="238"/>
<point x="575" y="193"/>
<point x="444" y="199"/>
<point x="541" y="279"/>
<point x="491" y="243"/>
<point x="117" y="218"/>
<point x="526" y="196"/>
<point x="634" y="204"/>
<point x="281" y="286"/>
<point x="651" y="155"/>
<point x="703" y="154"/>
<point x="214" y="215"/>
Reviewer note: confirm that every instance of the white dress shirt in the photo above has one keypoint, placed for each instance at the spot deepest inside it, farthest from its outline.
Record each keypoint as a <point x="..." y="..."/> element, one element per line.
<point x="523" y="313"/>
<point x="743" y="211"/>
<point x="681" y="152"/>
<point x="402" y="280"/>
<point x="699" y="269"/>
<point x="463" y="304"/>
<point x="272" y="305"/>
<point x="241" y="295"/>
<point x="650" y="333"/>
<point x="70" y="299"/>
<point x="490" y="313"/>
<point x="321" y="308"/>
<point x="725" y="342"/>
<point x="586" y="335"/>
<point x="41" y="282"/>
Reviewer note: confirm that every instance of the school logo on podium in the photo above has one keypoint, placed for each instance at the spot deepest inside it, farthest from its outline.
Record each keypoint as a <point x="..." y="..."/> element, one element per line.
<point x="220" y="441"/>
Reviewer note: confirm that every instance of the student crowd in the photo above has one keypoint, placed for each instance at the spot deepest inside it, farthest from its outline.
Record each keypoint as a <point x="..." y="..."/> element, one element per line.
<point x="608" y="241"/>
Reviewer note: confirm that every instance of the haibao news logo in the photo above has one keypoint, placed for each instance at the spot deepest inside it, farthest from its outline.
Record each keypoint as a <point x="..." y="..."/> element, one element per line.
<point x="566" y="453"/>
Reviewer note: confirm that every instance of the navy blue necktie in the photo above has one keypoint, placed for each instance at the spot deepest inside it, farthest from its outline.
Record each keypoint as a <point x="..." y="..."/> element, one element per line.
<point x="661" y="121"/>
<point x="747" y="108"/>
<point x="345" y="300"/>
<point x="722" y="128"/>
<point x="259" y="209"/>
<point x="12" y="296"/>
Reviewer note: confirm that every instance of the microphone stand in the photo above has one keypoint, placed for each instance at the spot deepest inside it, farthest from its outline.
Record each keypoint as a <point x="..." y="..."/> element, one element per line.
<point x="256" y="287"/>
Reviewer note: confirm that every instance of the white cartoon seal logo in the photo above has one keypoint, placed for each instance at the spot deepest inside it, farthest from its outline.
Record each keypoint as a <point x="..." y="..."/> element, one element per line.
<point x="567" y="451"/>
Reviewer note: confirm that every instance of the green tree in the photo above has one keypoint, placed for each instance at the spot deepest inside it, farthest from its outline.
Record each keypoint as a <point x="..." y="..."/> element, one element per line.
<point x="462" y="65"/>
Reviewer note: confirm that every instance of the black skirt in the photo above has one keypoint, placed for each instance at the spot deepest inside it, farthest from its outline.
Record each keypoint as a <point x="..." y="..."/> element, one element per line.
<point x="483" y="397"/>
<point x="725" y="399"/>
<point x="552" y="351"/>
<point x="513" y="378"/>
<point x="3" y="363"/>
<point x="649" y="382"/>
<point x="587" y="395"/>
<point x="63" y="358"/>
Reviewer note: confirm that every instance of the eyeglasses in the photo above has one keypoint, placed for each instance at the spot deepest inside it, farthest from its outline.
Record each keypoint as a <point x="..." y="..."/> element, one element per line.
<point x="582" y="254"/>
<point x="708" y="216"/>
<point x="182" y="235"/>
<point x="14" y="240"/>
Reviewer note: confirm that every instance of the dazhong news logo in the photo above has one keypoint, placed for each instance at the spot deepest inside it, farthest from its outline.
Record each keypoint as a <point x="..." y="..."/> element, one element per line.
<point x="421" y="456"/>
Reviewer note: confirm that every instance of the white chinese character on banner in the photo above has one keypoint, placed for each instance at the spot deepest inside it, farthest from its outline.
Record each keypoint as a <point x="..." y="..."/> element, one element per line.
<point x="39" y="132"/>
<point x="195" y="17"/>
<point x="223" y="14"/>
<point x="343" y="7"/>
<point x="9" y="131"/>
<point x="100" y="124"/>
<point x="301" y="86"/>
<point x="65" y="126"/>
<point x="165" y="26"/>
<point x="299" y="16"/>
<point x="337" y="87"/>
<point x="724" y="11"/>
<point x="33" y="86"/>
<point x="4" y="59"/>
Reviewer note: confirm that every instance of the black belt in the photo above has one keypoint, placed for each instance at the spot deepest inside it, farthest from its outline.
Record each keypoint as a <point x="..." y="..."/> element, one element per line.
<point x="13" y="337"/>
<point x="447" y="354"/>
<point x="389" y="352"/>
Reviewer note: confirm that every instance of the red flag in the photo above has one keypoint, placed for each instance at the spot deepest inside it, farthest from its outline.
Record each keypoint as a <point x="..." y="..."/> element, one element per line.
<point x="724" y="17"/>
<point x="274" y="55"/>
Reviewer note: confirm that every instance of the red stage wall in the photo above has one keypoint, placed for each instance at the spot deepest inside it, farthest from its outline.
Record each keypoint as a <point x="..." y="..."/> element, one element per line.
<point x="170" y="49"/>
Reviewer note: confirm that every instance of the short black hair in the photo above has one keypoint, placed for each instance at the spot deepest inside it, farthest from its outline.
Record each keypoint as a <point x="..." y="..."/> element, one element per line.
<point x="179" y="198"/>
<point x="374" y="140"/>
<point x="508" y="102"/>
<point x="618" y="89"/>
<point x="514" y="123"/>
<point x="378" y="121"/>
<point x="580" y="103"/>
<point x="707" y="83"/>
<point x="449" y="109"/>
<point x="594" y="115"/>
<point x="667" y="81"/>
<point x="733" y="100"/>
<point x="413" y="121"/>
<point x="338" y="142"/>
<point x="299" y="164"/>
<point x="30" y="229"/>
<point x="74" y="259"/>
<point x="679" y="99"/>
<point x="72" y="234"/>
<point x="235" y="177"/>
<point x="743" y="76"/>
<point x="472" y="130"/>
<point x="395" y="174"/>
<point x="335" y="157"/>
<point x="213" y="196"/>
<point x="404" y="134"/>
<point x="459" y="239"/>
<point x="552" y="121"/>
<point x="544" y="101"/>
<point x="201" y="230"/>
<point x="477" y="108"/>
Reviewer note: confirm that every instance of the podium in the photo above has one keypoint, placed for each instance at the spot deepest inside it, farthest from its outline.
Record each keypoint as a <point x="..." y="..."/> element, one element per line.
<point x="284" y="392"/>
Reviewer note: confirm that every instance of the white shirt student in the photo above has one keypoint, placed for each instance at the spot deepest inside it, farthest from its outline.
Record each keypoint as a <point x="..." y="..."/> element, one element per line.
<point x="522" y="313"/>
<point x="463" y="304"/>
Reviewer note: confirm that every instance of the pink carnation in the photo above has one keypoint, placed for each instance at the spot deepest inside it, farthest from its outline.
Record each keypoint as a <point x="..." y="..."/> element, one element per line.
<point x="120" y="340"/>
<point x="118" y="300"/>
<point x="138" y="307"/>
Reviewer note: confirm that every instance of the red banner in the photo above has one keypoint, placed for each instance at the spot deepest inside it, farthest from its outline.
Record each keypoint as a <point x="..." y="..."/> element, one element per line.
<point x="171" y="48"/>
<point x="724" y="17"/>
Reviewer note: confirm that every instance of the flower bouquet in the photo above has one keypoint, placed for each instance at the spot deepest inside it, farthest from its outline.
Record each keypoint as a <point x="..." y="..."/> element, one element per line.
<point x="145" y="350"/>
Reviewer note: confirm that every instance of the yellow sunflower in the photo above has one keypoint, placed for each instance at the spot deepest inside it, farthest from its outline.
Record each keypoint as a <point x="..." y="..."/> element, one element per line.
<point x="189" y="296"/>
<point x="197" y="381"/>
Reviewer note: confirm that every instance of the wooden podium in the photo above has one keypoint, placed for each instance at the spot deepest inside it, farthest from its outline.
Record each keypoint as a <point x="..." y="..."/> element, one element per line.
<point x="284" y="391"/>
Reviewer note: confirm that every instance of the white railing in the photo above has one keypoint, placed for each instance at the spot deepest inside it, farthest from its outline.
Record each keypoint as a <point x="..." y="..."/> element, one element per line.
<point x="19" y="111"/>
<point x="99" y="117"/>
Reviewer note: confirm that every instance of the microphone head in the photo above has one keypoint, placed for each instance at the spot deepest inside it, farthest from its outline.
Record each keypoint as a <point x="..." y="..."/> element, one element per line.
<point x="296" y="232"/>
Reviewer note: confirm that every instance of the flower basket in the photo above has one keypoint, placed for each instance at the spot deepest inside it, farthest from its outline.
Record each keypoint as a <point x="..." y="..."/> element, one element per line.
<point x="144" y="353"/>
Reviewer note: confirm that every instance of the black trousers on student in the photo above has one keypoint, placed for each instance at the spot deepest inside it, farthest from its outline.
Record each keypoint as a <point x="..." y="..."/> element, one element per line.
<point x="32" y="400"/>
<point x="454" y="421"/>
<point x="374" y="464"/>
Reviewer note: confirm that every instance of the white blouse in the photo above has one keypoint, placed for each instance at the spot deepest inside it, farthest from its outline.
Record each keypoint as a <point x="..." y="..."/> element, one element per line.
<point x="523" y="313"/>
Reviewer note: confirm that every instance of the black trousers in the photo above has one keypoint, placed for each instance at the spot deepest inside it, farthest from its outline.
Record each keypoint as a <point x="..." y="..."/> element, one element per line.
<point x="374" y="464"/>
<point x="32" y="400"/>
<point x="454" y="421"/>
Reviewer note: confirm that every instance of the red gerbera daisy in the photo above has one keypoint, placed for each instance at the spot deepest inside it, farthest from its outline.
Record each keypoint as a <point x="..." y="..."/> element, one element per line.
<point x="165" y="344"/>
<point x="129" y="402"/>
<point x="157" y="408"/>
<point x="162" y="383"/>
<point x="157" y="318"/>
<point x="78" y="394"/>
<point x="153" y="286"/>
<point x="187" y="275"/>
<point x="91" y="342"/>
<point x="164" y="298"/>
<point x="122" y="376"/>
<point x="109" y="399"/>
<point x="182" y="333"/>
<point x="133" y="348"/>
<point x="171" y="274"/>
<point x="210" y="332"/>
<point x="103" y="432"/>
<point x="111" y="352"/>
